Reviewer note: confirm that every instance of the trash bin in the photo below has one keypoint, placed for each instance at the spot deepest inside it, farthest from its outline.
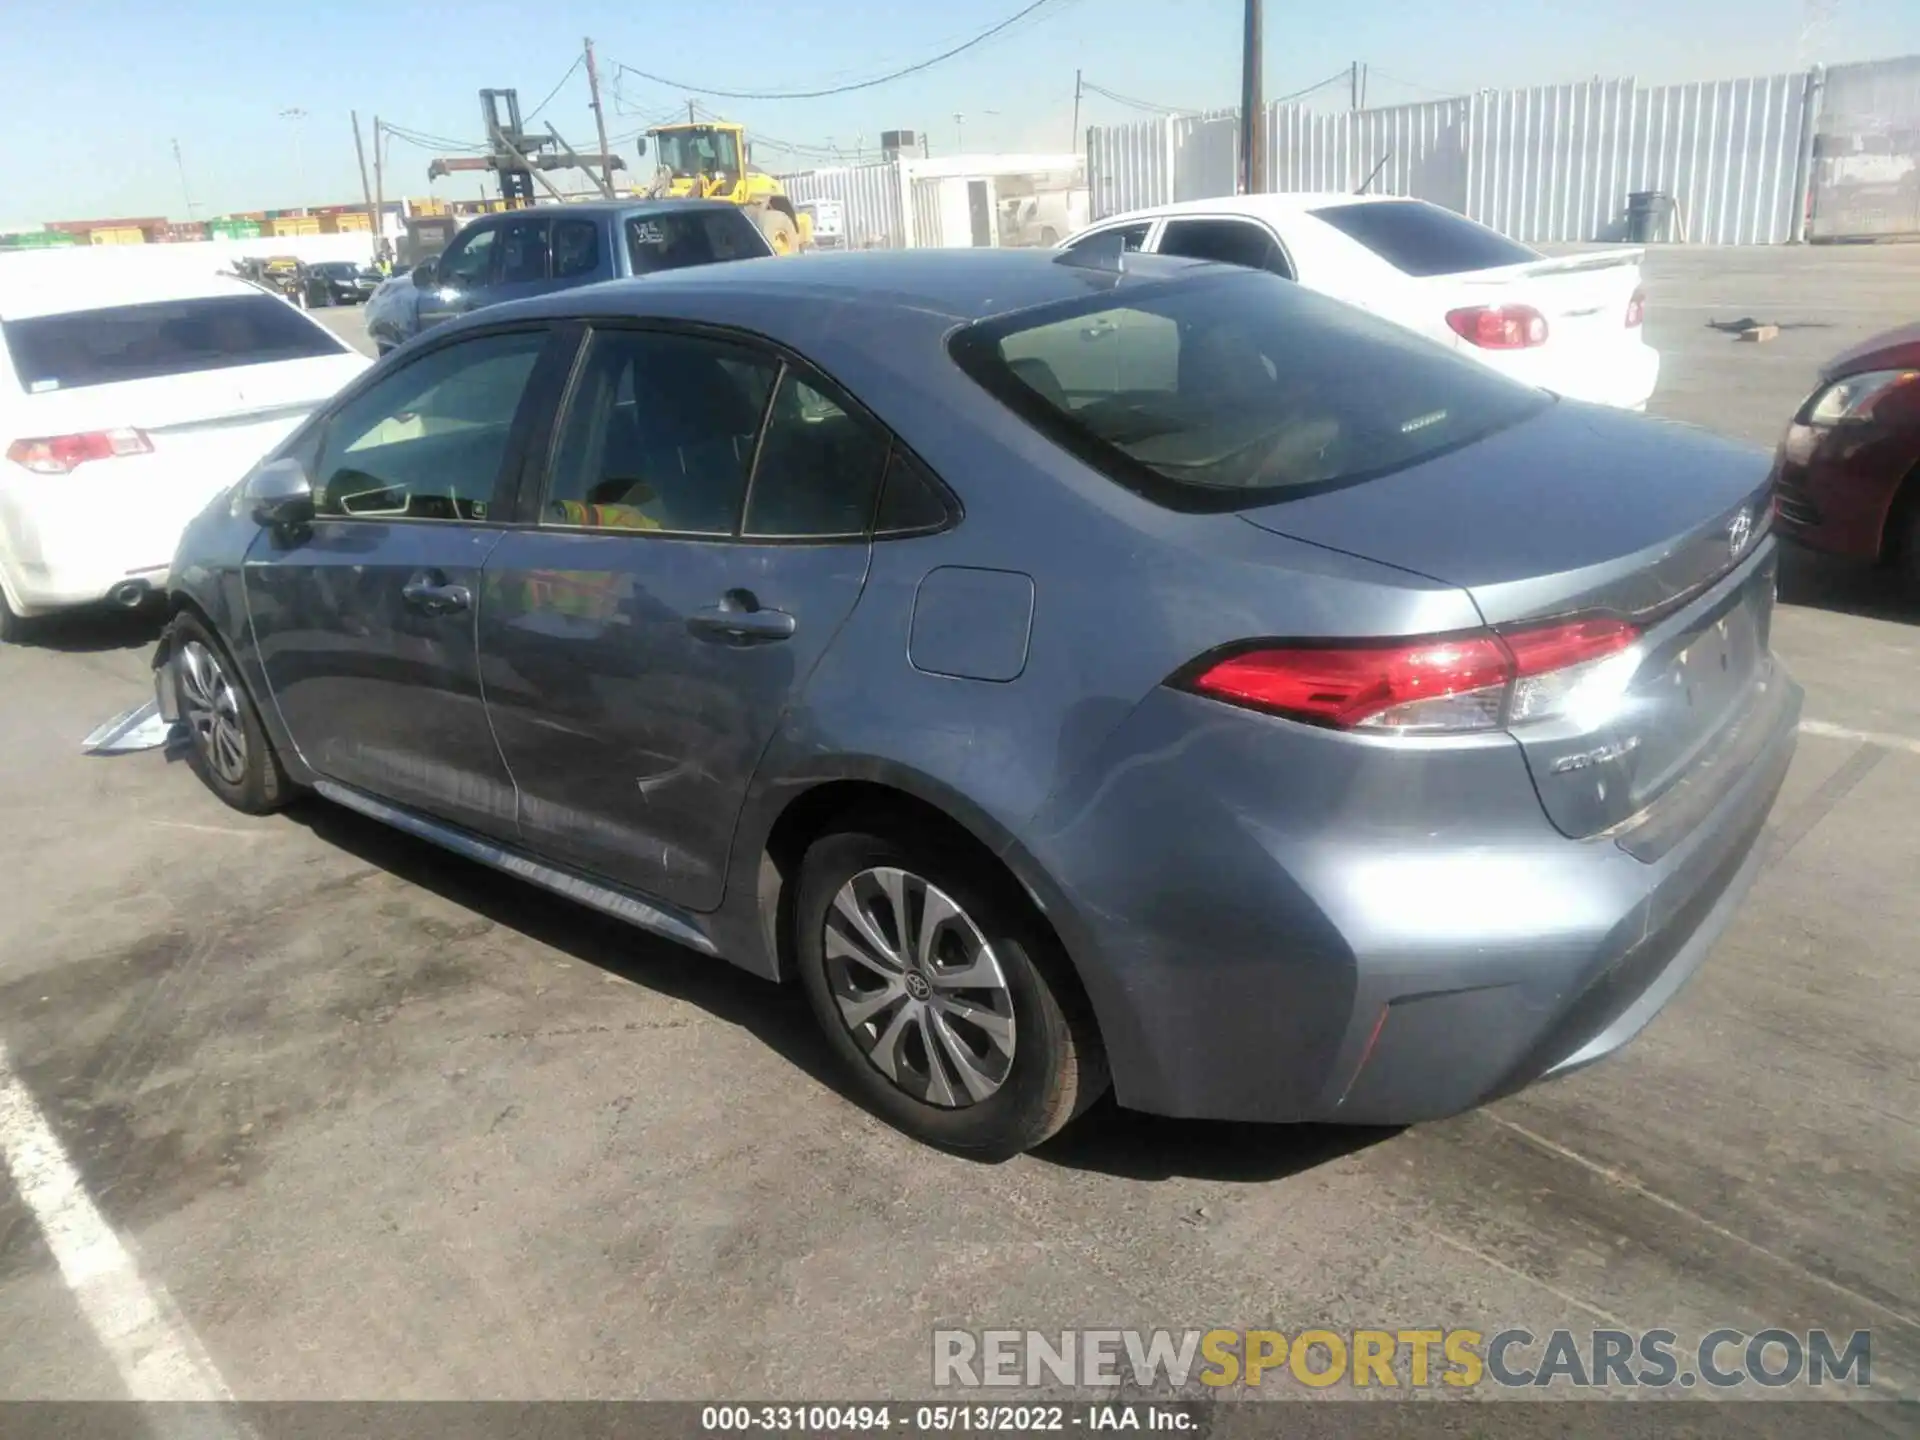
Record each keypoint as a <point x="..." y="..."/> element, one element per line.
<point x="1649" y="216"/>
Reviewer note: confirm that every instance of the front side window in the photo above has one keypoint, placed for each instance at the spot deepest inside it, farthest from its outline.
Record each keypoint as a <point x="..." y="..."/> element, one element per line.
<point x="427" y="442"/>
<point x="523" y="252"/>
<point x="1218" y="392"/>
<point x="819" y="468"/>
<point x="660" y="434"/>
<point x="169" y="337"/>
<point x="674" y="239"/>
<point x="1124" y="240"/>
<point x="467" y="260"/>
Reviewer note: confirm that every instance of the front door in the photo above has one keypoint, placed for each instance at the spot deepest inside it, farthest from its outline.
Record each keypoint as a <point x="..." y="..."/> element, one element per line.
<point x="701" y="538"/>
<point x="463" y="276"/>
<point x="365" y="619"/>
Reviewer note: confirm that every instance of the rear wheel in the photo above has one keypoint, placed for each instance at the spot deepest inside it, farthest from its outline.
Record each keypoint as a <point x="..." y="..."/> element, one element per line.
<point x="228" y="747"/>
<point x="941" y="993"/>
<point x="13" y="626"/>
<point x="782" y="234"/>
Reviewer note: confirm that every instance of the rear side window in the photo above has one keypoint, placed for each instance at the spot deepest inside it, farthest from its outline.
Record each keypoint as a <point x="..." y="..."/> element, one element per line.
<point x="576" y="248"/>
<point x="1421" y="239"/>
<point x="1231" y="242"/>
<point x="669" y="240"/>
<point x="1221" y="392"/>
<point x="173" y="337"/>
<point x="523" y="252"/>
<point x="819" y="467"/>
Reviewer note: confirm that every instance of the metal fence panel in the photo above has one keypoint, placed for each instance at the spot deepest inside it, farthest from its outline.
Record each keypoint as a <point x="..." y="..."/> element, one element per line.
<point x="869" y="196"/>
<point x="1548" y="164"/>
<point x="1866" y="158"/>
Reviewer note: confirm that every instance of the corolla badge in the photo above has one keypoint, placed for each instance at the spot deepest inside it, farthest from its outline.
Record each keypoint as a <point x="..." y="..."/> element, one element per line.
<point x="1739" y="534"/>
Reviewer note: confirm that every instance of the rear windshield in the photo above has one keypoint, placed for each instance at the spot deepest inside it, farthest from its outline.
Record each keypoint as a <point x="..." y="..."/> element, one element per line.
<point x="1420" y="239"/>
<point x="1223" y="391"/>
<point x="172" y="337"/>
<point x="670" y="240"/>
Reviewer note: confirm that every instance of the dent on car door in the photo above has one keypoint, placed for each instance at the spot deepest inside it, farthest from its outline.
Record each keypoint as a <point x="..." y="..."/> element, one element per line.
<point x="701" y="538"/>
<point x="364" y="618"/>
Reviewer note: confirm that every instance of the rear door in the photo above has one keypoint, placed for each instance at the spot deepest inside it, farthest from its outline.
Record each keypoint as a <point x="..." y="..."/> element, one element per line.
<point x="365" y="619"/>
<point x="700" y="539"/>
<point x="1227" y="239"/>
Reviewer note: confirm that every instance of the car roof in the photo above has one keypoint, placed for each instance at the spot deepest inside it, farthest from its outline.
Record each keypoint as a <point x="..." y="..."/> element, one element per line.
<point x="1264" y="207"/>
<point x="636" y="205"/>
<point x="29" y="290"/>
<point x="948" y="285"/>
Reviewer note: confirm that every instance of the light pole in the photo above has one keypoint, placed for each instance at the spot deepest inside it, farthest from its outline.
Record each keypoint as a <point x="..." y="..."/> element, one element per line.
<point x="296" y="115"/>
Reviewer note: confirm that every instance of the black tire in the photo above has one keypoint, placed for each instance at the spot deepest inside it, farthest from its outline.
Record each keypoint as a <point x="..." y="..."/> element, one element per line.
<point x="778" y="227"/>
<point x="1056" y="1066"/>
<point x="13" y="627"/>
<point x="214" y="703"/>
<point x="1907" y="536"/>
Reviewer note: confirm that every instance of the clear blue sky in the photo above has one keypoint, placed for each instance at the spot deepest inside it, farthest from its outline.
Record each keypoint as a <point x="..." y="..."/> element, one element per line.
<point x="100" y="88"/>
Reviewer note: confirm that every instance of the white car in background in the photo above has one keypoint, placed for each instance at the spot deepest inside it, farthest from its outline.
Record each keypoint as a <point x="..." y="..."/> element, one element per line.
<point x="1570" y="325"/>
<point x="130" y="395"/>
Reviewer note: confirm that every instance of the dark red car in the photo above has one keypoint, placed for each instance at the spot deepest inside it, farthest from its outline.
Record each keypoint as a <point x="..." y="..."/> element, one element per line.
<point x="1847" y="480"/>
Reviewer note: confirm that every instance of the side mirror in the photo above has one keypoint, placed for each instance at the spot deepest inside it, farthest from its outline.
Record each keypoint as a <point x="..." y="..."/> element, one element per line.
<point x="280" y="494"/>
<point x="423" y="275"/>
<point x="640" y="146"/>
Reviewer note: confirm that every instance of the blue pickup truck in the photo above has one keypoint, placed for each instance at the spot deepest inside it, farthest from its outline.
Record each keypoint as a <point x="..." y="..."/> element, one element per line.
<point x="519" y="253"/>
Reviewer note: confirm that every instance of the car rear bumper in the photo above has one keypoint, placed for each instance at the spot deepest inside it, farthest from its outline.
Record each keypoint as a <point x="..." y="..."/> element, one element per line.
<point x="1361" y="942"/>
<point x="1622" y="375"/>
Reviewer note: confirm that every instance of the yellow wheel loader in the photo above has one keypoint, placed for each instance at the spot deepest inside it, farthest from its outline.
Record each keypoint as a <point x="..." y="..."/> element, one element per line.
<point x="711" y="162"/>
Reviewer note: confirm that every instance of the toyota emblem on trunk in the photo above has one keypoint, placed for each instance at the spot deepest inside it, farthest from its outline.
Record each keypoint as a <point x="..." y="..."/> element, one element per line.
<point x="1739" y="532"/>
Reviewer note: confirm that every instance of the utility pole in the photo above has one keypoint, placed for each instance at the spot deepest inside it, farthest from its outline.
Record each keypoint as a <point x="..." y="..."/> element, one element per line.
<point x="599" y="118"/>
<point x="379" y="195"/>
<point x="690" y="115"/>
<point x="1363" y="87"/>
<point x="366" y="190"/>
<point x="186" y="190"/>
<point x="1077" y="136"/>
<point x="1353" y="85"/>
<point x="1253" y="149"/>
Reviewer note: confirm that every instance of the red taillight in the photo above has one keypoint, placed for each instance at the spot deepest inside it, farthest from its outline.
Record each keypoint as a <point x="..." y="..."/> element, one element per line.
<point x="60" y="454"/>
<point x="1499" y="327"/>
<point x="1439" y="684"/>
<point x="1637" y="309"/>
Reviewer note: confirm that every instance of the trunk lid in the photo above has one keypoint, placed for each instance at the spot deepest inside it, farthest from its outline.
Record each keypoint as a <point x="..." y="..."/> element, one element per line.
<point x="1580" y="510"/>
<point x="1583" y="297"/>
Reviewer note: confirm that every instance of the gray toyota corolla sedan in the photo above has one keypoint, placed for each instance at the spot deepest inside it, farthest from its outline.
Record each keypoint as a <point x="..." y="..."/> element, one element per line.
<point x="1070" y="671"/>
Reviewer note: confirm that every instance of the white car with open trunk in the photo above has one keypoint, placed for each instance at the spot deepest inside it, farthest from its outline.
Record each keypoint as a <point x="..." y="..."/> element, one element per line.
<point x="1571" y="325"/>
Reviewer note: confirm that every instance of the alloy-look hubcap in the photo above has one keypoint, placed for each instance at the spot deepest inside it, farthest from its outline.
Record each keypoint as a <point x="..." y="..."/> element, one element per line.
<point x="213" y="712"/>
<point x="919" y="988"/>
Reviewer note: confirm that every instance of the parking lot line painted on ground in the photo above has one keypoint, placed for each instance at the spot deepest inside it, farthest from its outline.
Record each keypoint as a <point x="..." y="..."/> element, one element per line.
<point x="157" y="1354"/>
<point x="1866" y="737"/>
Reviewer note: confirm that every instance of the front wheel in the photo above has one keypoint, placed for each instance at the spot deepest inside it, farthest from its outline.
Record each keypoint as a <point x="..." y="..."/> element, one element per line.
<point x="228" y="746"/>
<point x="782" y="234"/>
<point x="947" y="1003"/>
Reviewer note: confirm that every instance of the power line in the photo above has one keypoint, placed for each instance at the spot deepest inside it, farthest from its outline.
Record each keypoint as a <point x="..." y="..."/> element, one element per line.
<point x="1336" y="78"/>
<point x="1412" y="84"/>
<point x="914" y="69"/>
<point x="1137" y="104"/>
<point x="578" y="61"/>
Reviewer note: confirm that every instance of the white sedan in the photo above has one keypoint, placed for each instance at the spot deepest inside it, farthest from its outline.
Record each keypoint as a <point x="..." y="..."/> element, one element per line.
<point x="1569" y="325"/>
<point x="130" y="395"/>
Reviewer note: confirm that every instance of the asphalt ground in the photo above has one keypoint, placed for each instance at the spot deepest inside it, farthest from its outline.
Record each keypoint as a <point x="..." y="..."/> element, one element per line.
<point x="345" y="1117"/>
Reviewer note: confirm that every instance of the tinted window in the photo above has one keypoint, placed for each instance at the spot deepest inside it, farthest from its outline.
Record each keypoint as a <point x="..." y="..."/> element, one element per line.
<point x="427" y="442"/>
<point x="1235" y="389"/>
<point x="1124" y="240"/>
<point x="576" y="248"/>
<point x="1231" y="242"/>
<point x="174" y="337"/>
<point x="910" y="500"/>
<point x="819" y="468"/>
<point x="659" y="434"/>
<point x="1419" y="239"/>
<point x="669" y="240"/>
<point x="523" y="252"/>
<point x="467" y="259"/>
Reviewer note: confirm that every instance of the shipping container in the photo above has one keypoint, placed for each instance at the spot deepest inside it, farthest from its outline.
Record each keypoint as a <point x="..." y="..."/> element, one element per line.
<point x="118" y="235"/>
